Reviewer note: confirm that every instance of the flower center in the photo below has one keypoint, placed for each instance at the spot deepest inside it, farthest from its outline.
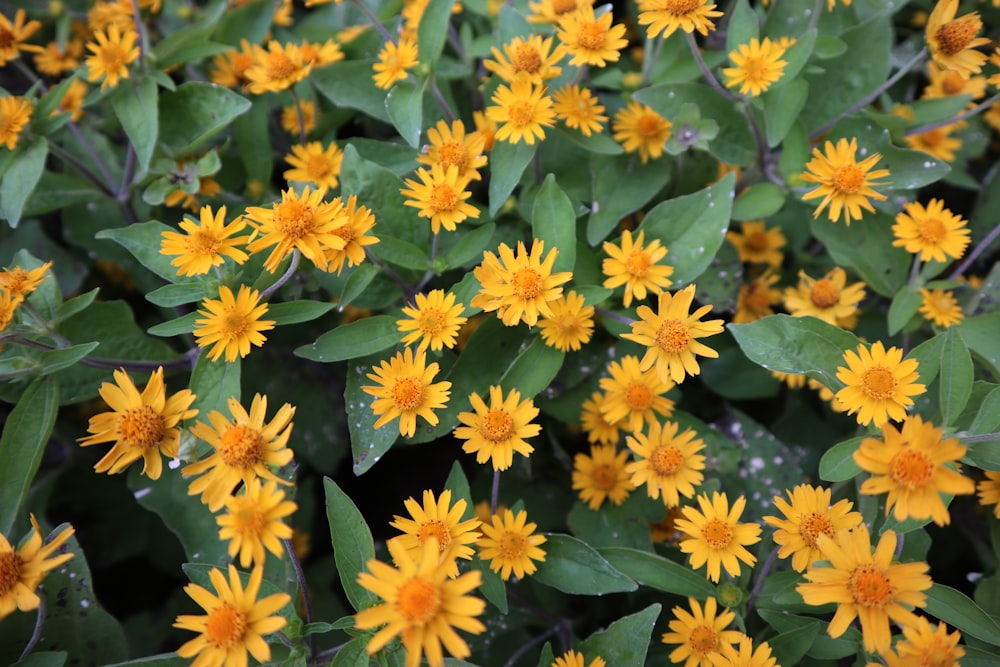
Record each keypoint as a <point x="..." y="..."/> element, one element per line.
<point x="824" y="294"/>
<point x="953" y="83"/>
<point x="203" y="243"/>
<point x="590" y="35"/>
<point x="848" y="179"/>
<point x="938" y="653"/>
<point x="141" y="428"/>
<point x="511" y="545"/>
<point x="497" y="426"/>
<point x="638" y="397"/>
<point x="758" y="297"/>
<point x="911" y="469"/>
<point x="703" y="639"/>
<point x="234" y="324"/>
<point x="526" y="283"/>
<point x="407" y="393"/>
<point x="813" y="525"/>
<point x="931" y="230"/>
<point x="443" y="197"/>
<point x="247" y="517"/>
<point x="418" y="601"/>
<point x="279" y="66"/>
<point x="931" y="138"/>
<point x="638" y="263"/>
<point x="757" y="241"/>
<point x="526" y="58"/>
<point x="648" y="125"/>
<point x="225" y="626"/>
<point x="431" y="321"/>
<point x="718" y="534"/>
<point x="319" y="166"/>
<point x="7" y="39"/>
<point x="673" y="336"/>
<point x="666" y="459"/>
<point x="682" y="7"/>
<point x="294" y="219"/>
<point x="345" y="232"/>
<point x="112" y="58"/>
<point x="451" y="153"/>
<point x="869" y="586"/>
<point x="521" y="113"/>
<point x="241" y="446"/>
<point x="955" y="35"/>
<point x="604" y="477"/>
<point x="10" y="571"/>
<point x="438" y="531"/>
<point x="878" y="382"/>
<point x="754" y="69"/>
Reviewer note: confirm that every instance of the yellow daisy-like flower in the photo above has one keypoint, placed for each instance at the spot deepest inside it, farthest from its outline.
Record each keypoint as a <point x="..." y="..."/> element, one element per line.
<point x="757" y="244"/>
<point x="701" y="635"/>
<point x="532" y="59"/>
<point x="52" y="59"/>
<point x="570" y="325"/>
<point x="601" y="476"/>
<point x="756" y="298"/>
<point x="8" y="306"/>
<point x="520" y="287"/>
<point x="865" y="585"/>
<point x="590" y="39"/>
<point x="953" y="42"/>
<point x="451" y="147"/>
<point x="111" y="54"/>
<point x="72" y="101"/>
<point x="320" y="55"/>
<point x="757" y="65"/>
<point x="142" y="425"/>
<point x="290" y="118"/>
<point x="314" y="164"/>
<point x="672" y="334"/>
<point x="594" y="422"/>
<point x="941" y="307"/>
<point x="988" y="491"/>
<point x="406" y="389"/>
<point x="13" y="35"/>
<point x="206" y="244"/>
<point x="276" y="68"/>
<point x="15" y="112"/>
<point x="579" y="109"/>
<point x="232" y="324"/>
<point x="914" y="466"/>
<point x="636" y="265"/>
<point x="715" y="536"/>
<point x="932" y="231"/>
<point x="551" y="11"/>
<point x="302" y="222"/>
<point x="843" y="182"/>
<point x="634" y="396"/>
<point x="19" y="283"/>
<point x="948" y="83"/>
<point x="105" y="12"/>
<point x="433" y="320"/>
<point x="394" y="60"/>
<point x="253" y="522"/>
<point x="486" y="128"/>
<point x="422" y="604"/>
<point x="666" y="463"/>
<point x="641" y="129"/>
<point x="511" y="545"/>
<point x="495" y="431"/>
<point x="440" y="522"/>
<point x="245" y="446"/>
<point x="745" y="655"/>
<point x="574" y="659"/>
<point x="235" y="621"/>
<point x="807" y="515"/>
<point x="664" y="17"/>
<point x="23" y="569"/>
<point x="358" y="222"/>
<point x="524" y="109"/>
<point x="440" y="196"/>
<point x="829" y="298"/>
<point x="229" y="69"/>
<point x="922" y="644"/>
<point x="938" y="142"/>
<point x="879" y="383"/>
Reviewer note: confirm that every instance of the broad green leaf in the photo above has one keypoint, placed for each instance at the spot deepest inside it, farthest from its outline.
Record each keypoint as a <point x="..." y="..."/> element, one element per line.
<point x="828" y="46"/>
<point x="379" y="189"/>
<point x="22" y="444"/>
<point x="353" y="546"/>
<point x="432" y="31"/>
<point x="988" y="417"/>
<point x="626" y="641"/>
<point x="507" y="163"/>
<point x="904" y="306"/>
<point x="758" y="201"/>
<point x="368" y="443"/>
<point x="57" y="191"/>
<point x="253" y="141"/>
<point x="866" y="247"/>
<point x="980" y="335"/>
<point x="619" y="186"/>
<point x="781" y="109"/>
<point x="296" y="312"/>
<point x="214" y="383"/>
<point x="135" y="105"/>
<point x="20" y="178"/>
<point x="166" y="51"/>
<point x="957" y="373"/>
<point x="470" y="246"/>
<point x="170" y="296"/>
<point x="791" y="646"/>
<point x="401" y="253"/>
<point x="592" y="294"/>
<point x="928" y="356"/>
<point x="357" y="283"/>
<point x="43" y="659"/>
<point x="75" y="305"/>
<point x="796" y="58"/>
<point x="650" y="569"/>
<point x="742" y="25"/>
<point x="348" y="83"/>
<point x="572" y="566"/>
<point x="405" y="105"/>
<point x="533" y="369"/>
<point x="512" y="24"/>
<point x="625" y="525"/>
<point x="54" y="361"/>
<point x="958" y="611"/>
<point x="250" y="21"/>
<point x="553" y="220"/>
<point x="143" y="239"/>
<point x="178" y="326"/>
<point x="353" y="654"/>
<point x="196" y="112"/>
<point x="823" y="647"/>
<point x="837" y="464"/>
<point x="350" y="341"/>
<point x="596" y="142"/>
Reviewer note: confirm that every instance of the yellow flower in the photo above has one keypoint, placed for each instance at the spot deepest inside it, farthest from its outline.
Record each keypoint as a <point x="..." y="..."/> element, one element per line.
<point x="747" y="656"/>
<point x="830" y="298"/>
<point x="601" y="476"/>
<point x="205" y="245"/>
<point x="111" y="55"/>
<point x="393" y="62"/>
<point x="244" y="448"/>
<point x="757" y="65"/>
<point x="550" y="11"/>
<point x="988" y="491"/>
<point x="22" y="570"/>
<point x="879" y="384"/>
<point x="793" y="381"/>
<point x="15" y="112"/>
<point x="434" y="320"/>
<point x="865" y="585"/>
<point x="911" y="465"/>
<point x="756" y="298"/>
<point x="948" y="83"/>
<point x="8" y="306"/>
<point x="229" y="69"/>
<point x="715" y="536"/>
<point x="757" y="244"/>
<point x="671" y="334"/>
<point x="235" y="620"/>
<point x="18" y="283"/>
<point x="636" y="266"/>
<point x="105" y="13"/>
<point x="302" y="222"/>
<point x="359" y="221"/>
<point x="574" y="659"/>
<point x="938" y="142"/>
<point x="319" y="55"/>
<point x="701" y="634"/>
<point x="941" y="307"/>
<point x="593" y="421"/>
<point x="314" y="164"/>
<point x="589" y="39"/>
<point x="579" y="109"/>
<point x="290" y="118"/>
<point x="633" y="395"/>
<point x="276" y="68"/>
<point x="13" y="34"/>
<point x="953" y="42"/>
<point x="807" y="515"/>
<point x="52" y="59"/>
<point x="924" y="645"/>
<point x="486" y="128"/>
<point x="440" y="196"/>
<point x="252" y="522"/>
<point x="422" y="604"/>
<point x="531" y="59"/>
<point x="451" y="147"/>
<point x="232" y="324"/>
<point x="406" y="390"/>
<point x="141" y="425"/>
<point x="826" y="395"/>
<point x="664" y="530"/>
<point x="666" y="462"/>
<point x="72" y="101"/>
<point x="934" y="232"/>
<point x="207" y="186"/>
<point x="439" y="522"/>
<point x="842" y="182"/>
<point x="495" y="431"/>
<point x="511" y="545"/>
<point x="283" y="13"/>
<point x="520" y="287"/>
<point x="524" y="109"/>
<point x="664" y="17"/>
<point x="570" y="325"/>
<point x="639" y="128"/>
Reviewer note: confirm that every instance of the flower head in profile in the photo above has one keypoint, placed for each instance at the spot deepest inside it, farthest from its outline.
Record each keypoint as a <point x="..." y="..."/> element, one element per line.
<point x="807" y="514"/>
<point x="312" y="163"/>
<point x="758" y="244"/>
<point x="300" y="221"/>
<point x="636" y="265"/>
<point x="276" y="68"/>
<point x="638" y="128"/>
<point x="570" y="325"/>
<point x="589" y="39"/>
<point x="756" y="298"/>
<point x="111" y="54"/>
<point x="829" y="298"/>
<point x="406" y="390"/>
<point x="432" y="321"/>
<point x="18" y="282"/>
<point x="671" y="335"/>
<point x="879" y="383"/>
<point x="14" y="33"/>
<point x="235" y="621"/>
<point x="701" y="635"/>
<point x="932" y="231"/>
<point x="486" y="127"/>
<point x="947" y="83"/>
<point x="988" y="491"/>
<point x="746" y="655"/>
<point x="579" y="109"/>
<point x="394" y="61"/>
<point x="21" y="570"/>
<point x="15" y="113"/>
<point x="206" y="243"/>
<point x="574" y="659"/>
<point x="664" y="17"/>
<point x="358" y="221"/>
<point x="531" y="59"/>
<point x="595" y="423"/>
<point x="438" y="521"/>
<point x="450" y="146"/>
<point x="141" y="425"/>
<point x="756" y="66"/>
<point x="511" y="545"/>
<point x="913" y="466"/>
<point x="952" y="41"/>
<point x="843" y="183"/>
<point x="523" y="111"/>
<point x="715" y="536"/>
<point x="937" y="142"/>
<point x="667" y="463"/>
<point x="601" y="476"/>
<point x="72" y="101"/>
<point x="923" y="644"/>
<point x="521" y="286"/>
<point x="634" y="396"/>
<point x="440" y="196"/>
<point x="253" y="522"/>
<point x="232" y="324"/>
<point x="421" y="603"/>
<point x="320" y="54"/>
<point x="8" y="306"/>
<point x="494" y="432"/>
<point x="299" y="119"/>
<point x="940" y="307"/>
<point x="551" y="11"/>
<point x="865" y="585"/>
<point x="229" y="68"/>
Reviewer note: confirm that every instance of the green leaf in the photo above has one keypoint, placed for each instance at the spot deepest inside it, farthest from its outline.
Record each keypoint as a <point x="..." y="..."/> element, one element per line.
<point x="958" y="611"/>
<point x="172" y="49"/>
<point x="214" y="383"/>
<point x="432" y="31"/>
<point x="350" y="341"/>
<point x="904" y="306"/>
<point x="405" y="105"/>
<point x="195" y="113"/>
<point x="866" y="247"/>
<point x="823" y="647"/>
<point x="791" y="646"/>
<point x="54" y="361"/>
<point x="470" y="246"/>
<point x="73" y="306"/>
<point x="357" y="283"/>
<point x="928" y="356"/>
<point x="353" y="654"/>
<point x="955" y="383"/>
<point x="379" y="188"/>
<point x="619" y="186"/>
<point x="368" y="443"/>
<point x="253" y="140"/>
<point x="533" y="369"/>
<point x="625" y="525"/>
<point x="170" y="296"/>
<point x="988" y="417"/>
<point x="25" y="436"/>
<point x="837" y="464"/>
<point x="349" y="83"/>
<point x="20" y="177"/>
<point x="781" y="109"/>
<point x="596" y="142"/>
<point x="508" y="162"/>
<point x="296" y="312"/>
<point x="759" y="201"/>
<point x="574" y="567"/>
<point x="658" y="572"/>
<point x="742" y="25"/>
<point x="143" y="239"/>
<point x="175" y="327"/>
<point x="57" y="191"/>
<point x="980" y="335"/>
<point x="828" y="46"/>
<point x="43" y="659"/>
<point x="553" y="220"/>
<point x="401" y="253"/>
<point x="626" y="641"/>
<point x="353" y="546"/>
<point x="250" y="21"/>
<point x="135" y="106"/>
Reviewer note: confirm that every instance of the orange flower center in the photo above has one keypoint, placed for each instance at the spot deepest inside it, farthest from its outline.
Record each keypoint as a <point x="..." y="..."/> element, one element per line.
<point x="438" y="531"/>
<point x="813" y="525"/>
<point x="879" y="382"/>
<point x="203" y="243"/>
<point x="638" y="263"/>
<point x="431" y="321"/>
<point x="937" y="652"/>
<point x="526" y="284"/>
<point x="682" y="7"/>
<point x="526" y="58"/>
<point x="241" y="446"/>
<point x="911" y="469"/>
<point x="7" y="39"/>
<point x="247" y="517"/>
<point x="703" y="639"/>
<point x="418" y="601"/>
<point x="112" y="58"/>
<point x="666" y="459"/>
<point x="521" y="113"/>
<point x="638" y="397"/>
<point x="590" y="35"/>
<point x="649" y="125"/>
<point x="234" y="324"/>
<point x="497" y="426"/>
<point x="604" y="477"/>
<point x="848" y="179"/>
<point x="10" y="571"/>
<point x="345" y="232"/>
<point x="955" y="35"/>
<point x="932" y="138"/>
<point x="757" y="241"/>
<point x="718" y="534"/>
<point x="673" y="336"/>
<point x="279" y="66"/>
<point x="319" y="167"/>
<point x="560" y="7"/>
<point x="407" y="393"/>
<point x="952" y="83"/>
<point x="16" y="280"/>
<point x="754" y="68"/>
<point x="758" y="297"/>
<point x="451" y="153"/>
<point x="824" y="294"/>
<point x="294" y="219"/>
<point x="225" y="626"/>
<point x="511" y="545"/>
<point x="869" y="586"/>
<point x="443" y="198"/>
<point x="931" y="230"/>
<point x="141" y="428"/>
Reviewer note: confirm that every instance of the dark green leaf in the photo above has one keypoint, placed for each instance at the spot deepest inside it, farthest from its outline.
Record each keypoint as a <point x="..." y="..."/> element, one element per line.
<point x="353" y="546"/>
<point x="797" y="56"/>
<point x="54" y="361"/>
<point x="928" y="356"/>
<point x="214" y="383"/>
<point x="626" y="641"/>
<point x="553" y="220"/>
<point x="74" y="306"/>
<point x="658" y="572"/>
<point x="368" y="443"/>
<point x="781" y="109"/>
<point x="353" y="654"/>
<point x="253" y="140"/>
<point x="620" y="185"/>
<point x="742" y="25"/>
<point x="432" y="30"/>
<point x="959" y="611"/>
<point x="955" y="383"/>
<point x="296" y="312"/>
<point x="980" y="335"/>
<point x="348" y="83"/>
<point x="143" y="240"/>
<point x="405" y="105"/>
<point x="837" y="464"/>
<point x="988" y="417"/>
<point x="470" y="246"/>
<point x="866" y="247"/>
<point x="135" y="106"/>
<point x="20" y="178"/>
<point x="175" y="327"/>
<point x="596" y="142"/>
<point x="791" y="646"/>
<point x="507" y="163"/>
<point x="759" y="201"/>
<point x="43" y="659"/>
<point x="196" y="112"/>
<point x="572" y="566"/>
<point x="350" y="341"/>
<point x="401" y="253"/>
<point x="249" y="21"/>
<point x="170" y="296"/>
<point x="58" y="191"/>
<point x="533" y="369"/>
<point x="25" y="435"/>
<point x="904" y="306"/>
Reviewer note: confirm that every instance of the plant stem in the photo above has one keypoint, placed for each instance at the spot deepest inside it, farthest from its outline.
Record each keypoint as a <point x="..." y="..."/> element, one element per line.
<point x="968" y="113"/>
<point x="292" y="267"/>
<point x="36" y="634"/>
<point x="300" y="575"/>
<point x="186" y="361"/>
<point x="71" y="159"/>
<point x="495" y="492"/>
<point x="429" y="273"/>
<point x="976" y="252"/>
<point x="524" y="648"/>
<point x="382" y="266"/>
<point x="386" y="35"/>
<point x="140" y="30"/>
<point x="703" y="66"/>
<point x="986" y="437"/>
<point x="817" y="12"/>
<point x="299" y="116"/>
<point x="761" y="576"/>
<point x="614" y="316"/>
<point x="649" y="62"/>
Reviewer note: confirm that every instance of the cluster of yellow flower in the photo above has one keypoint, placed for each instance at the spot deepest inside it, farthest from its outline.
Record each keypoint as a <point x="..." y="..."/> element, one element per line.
<point x="16" y="284"/>
<point x="260" y="70"/>
<point x="21" y="570"/>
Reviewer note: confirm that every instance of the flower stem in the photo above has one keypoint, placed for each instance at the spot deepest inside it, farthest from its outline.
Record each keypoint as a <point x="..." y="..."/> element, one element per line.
<point x="300" y="575"/>
<point x="976" y="252"/>
<point x="524" y="648"/>
<point x="649" y="62"/>
<point x="386" y="35"/>
<point x="703" y="66"/>
<point x="140" y="30"/>
<point x="36" y="634"/>
<point x="187" y="361"/>
<point x="292" y="267"/>
<point x="817" y="12"/>
<point x="299" y="116"/>
<point x="408" y="289"/>
<point x="429" y="273"/>
<point x="495" y="492"/>
<point x="986" y="437"/>
<point x="614" y="316"/>
<point x="761" y="576"/>
<point x="968" y="113"/>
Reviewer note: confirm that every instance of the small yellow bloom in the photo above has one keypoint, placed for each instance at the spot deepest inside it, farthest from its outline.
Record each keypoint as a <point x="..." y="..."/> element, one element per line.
<point x="715" y="536"/>
<point x="923" y="644"/>
<point x="756" y="298"/>
<point x="932" y="231"/>
<point x="842" y="182"/>
<point x="111" y="55"/>
<point x="532" y="59"/>
<point x="757" y="66"/>
<point x="571" y="324"/>
<point x="72" y="101"/>
<point x="941" y="307"/>
<point x="300" y="221"/>
<point x="664" y="17"/>
<point x="953" y="42"/>
<point x="574" y="659"/>
<point x="579" y="109"/>
<point x="406" y="390"/>
<point x="494" y="432"/>
<point x="290" y="118"/>
<point x="938" y="142"/>
<point x="807" y="515"/>
<point x="22" y="570"/>
<point x="524" y="111"/>
<point x="433" y="320"/>
<point x="758" y="244"/>
<point x="666" y="463"/>
<point x="590" y="39"/>
<point x="229" y="69"/>
<point x="18" y="283"/>
<point x="701" y="635"/>
<point x="440" y="522"/>
<point x="633" y="396"/>
<point x="947" y="83"/>
<point x="440" y="196"/>
<point x="879" y="384"/>
<point x="595" y="423"/>
<point x="829" y="298"/>
<point x="15" y="112"/>
<point x="511" y="545"/>
<point x="394" y="60"/>
<point x="276" y="68"/>
<point x="312" y="163"/>
<point x="521" y="287"/>
<point x="601" y="476"/>
<point x="13" y="34"/>
<point x="451" y="147"/>
<point x="206" y="244"/>
<point x="641" y="129"/>
<point x="253" y="522"/>
<point x="53" y="60"/>
<point x="551" y="11"/>
<point x="635" y="264"/>
<point x="232" y="324"/>
<point x="359" y="221"/>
